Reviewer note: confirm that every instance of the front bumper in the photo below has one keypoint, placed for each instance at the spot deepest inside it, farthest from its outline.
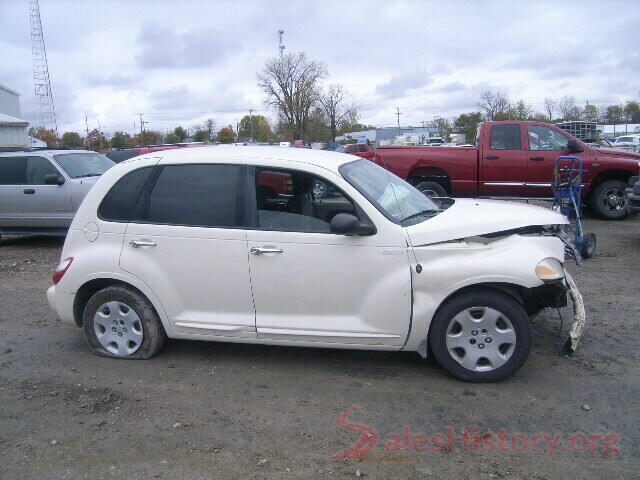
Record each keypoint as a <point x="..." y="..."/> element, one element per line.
<point x="579" y="315"/>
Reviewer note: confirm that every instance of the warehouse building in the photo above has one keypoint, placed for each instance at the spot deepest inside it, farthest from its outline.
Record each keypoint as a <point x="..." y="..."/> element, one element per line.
<point x="13" y="130"/>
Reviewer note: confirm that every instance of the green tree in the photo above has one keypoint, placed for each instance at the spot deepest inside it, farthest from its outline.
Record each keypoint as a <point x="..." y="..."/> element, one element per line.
<point x="590" y="113"/>
<point x="467" y="123"/>
<point x="172" y="138"/>
<point x="181" y="133"/>
<point x="258" y="125"/>
<point x="226" y="135"/>
<point x="71" y="140"/>
<point x="47" y="135"/>
<point x="613" y="114"/>
<point x="149" y="137"/>
<point x="632" y="112"/>
<point x="119" y="140"/>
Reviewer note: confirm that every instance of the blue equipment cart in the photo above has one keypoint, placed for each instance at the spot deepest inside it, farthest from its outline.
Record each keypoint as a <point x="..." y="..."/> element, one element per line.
<point x="567" y="198"/>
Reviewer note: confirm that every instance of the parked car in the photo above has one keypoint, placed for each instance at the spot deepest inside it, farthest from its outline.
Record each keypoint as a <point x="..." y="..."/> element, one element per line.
<point x="183" y="244"/>
<point x="123" y="154"/>
<point x="514" y="159"/>
<point x="628" y="142"/>
<point x="633" y="194"/>
<point x="363" y="150"/>
<point x="41" y="190"/>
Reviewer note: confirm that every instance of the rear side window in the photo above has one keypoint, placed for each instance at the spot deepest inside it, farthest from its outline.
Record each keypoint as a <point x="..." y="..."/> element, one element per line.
<point x="12" y="170"/>
<point x="118" y="205"/>
<point x="506" y="137"/>
<point x="38" y="168"/>
<point x="199" y="196"/>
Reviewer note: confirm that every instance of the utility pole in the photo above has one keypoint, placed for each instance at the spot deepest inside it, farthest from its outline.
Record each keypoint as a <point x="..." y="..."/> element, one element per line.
<point x="143" y="137"/>
<point x="86" y="124"/>
<point x="398" y="113"/>
<point x="280" y="44"/>
<point x="251" y="124"/>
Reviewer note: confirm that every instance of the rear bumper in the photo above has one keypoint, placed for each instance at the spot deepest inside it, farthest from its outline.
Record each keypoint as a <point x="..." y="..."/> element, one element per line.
<point x="62" y="304"/>
<point x="579" y="314"/>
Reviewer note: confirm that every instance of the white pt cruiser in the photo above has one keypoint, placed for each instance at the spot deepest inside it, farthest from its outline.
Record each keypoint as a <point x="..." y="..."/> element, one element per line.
<point x="306" y="248"/>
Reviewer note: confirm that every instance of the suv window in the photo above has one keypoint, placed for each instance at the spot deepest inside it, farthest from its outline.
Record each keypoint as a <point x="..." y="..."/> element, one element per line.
<point x="199" y="196"/>
<point x="506" y="137"/>
<point x="12" y="170"/>
<point x="37" y="168"/>
<point x="293" y="201"/>
<point x="119" y="203"/>
<point x="545" y="138"/>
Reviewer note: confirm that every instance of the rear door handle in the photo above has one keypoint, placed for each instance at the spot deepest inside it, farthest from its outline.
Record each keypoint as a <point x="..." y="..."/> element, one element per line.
<point x="141" y="243"/>
<point x="29" y="191"/>
<point x="261" y="250"/>
<point x="537" y="159"/>
<point x="491" y="157"/>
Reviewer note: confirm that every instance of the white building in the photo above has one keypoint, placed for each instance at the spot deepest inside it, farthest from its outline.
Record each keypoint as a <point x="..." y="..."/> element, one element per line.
<point x="13" y="130"/>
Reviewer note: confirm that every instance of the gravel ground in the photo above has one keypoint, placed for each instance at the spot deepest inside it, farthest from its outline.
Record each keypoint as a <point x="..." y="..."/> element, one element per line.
<point x="213" y="410"/>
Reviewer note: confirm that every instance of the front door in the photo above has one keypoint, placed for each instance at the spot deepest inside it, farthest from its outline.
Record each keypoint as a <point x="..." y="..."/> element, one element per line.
<point x="191" y="249"/>
<point x="503" y="166"/>
<point x="545" y="145"/>
<point x="310" y="285"/>
<point x="45" y="205"/>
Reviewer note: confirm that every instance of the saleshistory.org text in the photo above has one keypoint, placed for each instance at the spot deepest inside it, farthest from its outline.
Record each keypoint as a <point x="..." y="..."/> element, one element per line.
<point x="471" y="439"/>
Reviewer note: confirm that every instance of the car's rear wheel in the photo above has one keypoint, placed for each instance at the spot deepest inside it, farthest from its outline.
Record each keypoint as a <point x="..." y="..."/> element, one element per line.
<point x="481" y="336"/>
<point x="431" y="189"/>
<point x="609" y="200"/>
<point x="119" y="322"/>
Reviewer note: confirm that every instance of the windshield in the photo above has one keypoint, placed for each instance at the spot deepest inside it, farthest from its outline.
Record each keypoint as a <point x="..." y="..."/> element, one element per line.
<point x="79" y="165"/>
<point x="624" y="139"/>
<point x="396" y="199"/>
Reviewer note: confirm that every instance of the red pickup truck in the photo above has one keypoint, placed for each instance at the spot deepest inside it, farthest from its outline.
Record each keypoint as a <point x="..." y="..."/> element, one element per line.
<point x="514" y="159"/>
<point x="363" y="150"/>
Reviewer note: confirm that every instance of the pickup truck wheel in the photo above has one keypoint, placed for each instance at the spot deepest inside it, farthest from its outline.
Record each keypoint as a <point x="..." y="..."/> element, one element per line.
<point x="481" y="336"/>
<point x="120" y="323"/>
<point x="609" y="200"/>
<point x="431" y="189"/>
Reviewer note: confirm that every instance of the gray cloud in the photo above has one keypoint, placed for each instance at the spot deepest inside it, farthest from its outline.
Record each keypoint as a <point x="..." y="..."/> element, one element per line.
<point x="402" y="82"/>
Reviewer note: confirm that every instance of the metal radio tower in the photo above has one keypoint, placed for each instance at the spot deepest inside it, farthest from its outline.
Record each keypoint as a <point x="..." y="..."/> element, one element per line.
<point x="41" y="69"/>
<point x="280" y="44"/>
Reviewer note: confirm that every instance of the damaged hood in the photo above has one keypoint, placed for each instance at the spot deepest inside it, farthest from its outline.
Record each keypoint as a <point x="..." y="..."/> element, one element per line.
<point x="469" y="217"/>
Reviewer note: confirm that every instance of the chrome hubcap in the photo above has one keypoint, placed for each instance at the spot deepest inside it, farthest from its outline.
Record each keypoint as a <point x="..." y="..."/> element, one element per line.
<point x="481" y="339"/>
<point x="118" y="328"/>
<point x="614" y="199"/>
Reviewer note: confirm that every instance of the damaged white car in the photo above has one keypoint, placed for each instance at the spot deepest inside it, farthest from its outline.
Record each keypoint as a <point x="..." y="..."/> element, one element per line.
<point x="306" y="248"/>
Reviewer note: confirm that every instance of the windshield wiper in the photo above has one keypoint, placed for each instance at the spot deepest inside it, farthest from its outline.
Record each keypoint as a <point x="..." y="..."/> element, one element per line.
<point x="89" y="175"/>
<point x="429" y="213"/>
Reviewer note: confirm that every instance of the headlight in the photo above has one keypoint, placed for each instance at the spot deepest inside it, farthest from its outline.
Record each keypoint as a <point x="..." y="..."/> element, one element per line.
<point x="549" y="269"/>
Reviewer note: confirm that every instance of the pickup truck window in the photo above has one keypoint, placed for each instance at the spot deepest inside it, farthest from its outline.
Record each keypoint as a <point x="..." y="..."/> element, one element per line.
<point x="545" y="138"/>
<point x="505" y="137"/>
<point x="393" y="197"/>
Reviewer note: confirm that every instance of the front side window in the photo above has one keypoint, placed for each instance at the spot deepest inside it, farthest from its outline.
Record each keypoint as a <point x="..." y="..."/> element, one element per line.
<point x="293" y="201"/>
<point x="506" y="137"/>
<point x="12" y="170"/>
<point x="209" y="195"/>
<point x="392" y="196"/>
<point x="545" y="138"/>
<point x="80" y="165"/>
<point x="37" y="169"/>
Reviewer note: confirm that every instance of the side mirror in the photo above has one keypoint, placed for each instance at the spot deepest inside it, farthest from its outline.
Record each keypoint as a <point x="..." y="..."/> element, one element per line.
<point x="574" y="147"/>
<point x="348" y="224"/>
<point x="53" y="179"/>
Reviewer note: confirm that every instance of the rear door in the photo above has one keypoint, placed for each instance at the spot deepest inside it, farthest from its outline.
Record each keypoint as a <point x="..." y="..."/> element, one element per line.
<point x="503" y="163"/>
<point x="45" y="206"/>
<point x="12" y="175"/>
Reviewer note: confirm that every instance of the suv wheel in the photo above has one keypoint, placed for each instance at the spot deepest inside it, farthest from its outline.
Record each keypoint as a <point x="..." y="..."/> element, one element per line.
<point x="119" y="322"/>
<point x="609" y="200"/>
<point x="481" y="336"/>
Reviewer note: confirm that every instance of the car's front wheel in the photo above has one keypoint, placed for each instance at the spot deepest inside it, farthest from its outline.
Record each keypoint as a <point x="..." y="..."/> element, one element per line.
<point x="481" y="336"/>
<point x="119" y="322"/>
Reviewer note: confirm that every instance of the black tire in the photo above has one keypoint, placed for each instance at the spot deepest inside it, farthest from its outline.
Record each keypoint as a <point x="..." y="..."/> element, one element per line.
<point x="153" y="331"/>
<point x="431" y="189"/>
<point x="480" y="298"/>
<point x="588" y="247"/>
<point x="601" y="204"/>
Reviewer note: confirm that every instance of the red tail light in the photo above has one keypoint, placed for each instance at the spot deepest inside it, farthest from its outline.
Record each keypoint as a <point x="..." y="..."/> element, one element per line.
<point x="61" y="269"/>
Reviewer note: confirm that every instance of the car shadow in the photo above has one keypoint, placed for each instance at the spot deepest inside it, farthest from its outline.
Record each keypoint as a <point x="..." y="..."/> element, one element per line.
<point x="31" y="241"/>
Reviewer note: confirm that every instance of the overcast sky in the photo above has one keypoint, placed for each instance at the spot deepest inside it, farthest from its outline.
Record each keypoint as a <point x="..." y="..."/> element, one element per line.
<point x="180" y="62"/>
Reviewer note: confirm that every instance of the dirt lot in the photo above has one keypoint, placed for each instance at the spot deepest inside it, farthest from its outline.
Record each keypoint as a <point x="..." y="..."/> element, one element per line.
<point x="210" y="410"/>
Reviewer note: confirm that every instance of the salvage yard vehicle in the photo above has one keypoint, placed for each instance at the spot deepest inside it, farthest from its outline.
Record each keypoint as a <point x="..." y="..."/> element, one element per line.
<point x="41" y="190"/>
<point x="363" y="150"/>
<point x="184" y="244"/>
<point x="515" y="159"/>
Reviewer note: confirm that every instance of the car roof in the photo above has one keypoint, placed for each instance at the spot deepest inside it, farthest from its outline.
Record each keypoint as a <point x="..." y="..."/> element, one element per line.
<point x="53" y="151"/>
<point x="224" y="154"/>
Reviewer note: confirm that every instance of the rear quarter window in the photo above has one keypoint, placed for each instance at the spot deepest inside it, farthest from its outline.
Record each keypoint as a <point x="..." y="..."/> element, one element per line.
<point x="119" y="203"/>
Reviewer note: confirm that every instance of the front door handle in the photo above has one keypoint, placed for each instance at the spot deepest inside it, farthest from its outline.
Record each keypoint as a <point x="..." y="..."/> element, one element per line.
<point x="141" y="243"/>
<point x="491" y="157"/>
<point x="29" y="191"/>
<point x="261" y="250"/>
<point x="537" y="159"/>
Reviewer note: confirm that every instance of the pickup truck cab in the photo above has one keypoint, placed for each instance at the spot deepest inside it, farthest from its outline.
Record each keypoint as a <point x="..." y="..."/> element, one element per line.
<point x="183" y="243"/>
<point x="514" y="159"/>
<point x="363" y="150"/>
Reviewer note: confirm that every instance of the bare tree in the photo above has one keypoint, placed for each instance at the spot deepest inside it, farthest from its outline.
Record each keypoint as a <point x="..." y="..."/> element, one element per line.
<point x="550" y="107"/>
<point x="493" y="104"/>
<point x="568" y="109"/>
<point x="336" y="108"/>
<point x="290" y="84"/>
<point x="443" y="128"/>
